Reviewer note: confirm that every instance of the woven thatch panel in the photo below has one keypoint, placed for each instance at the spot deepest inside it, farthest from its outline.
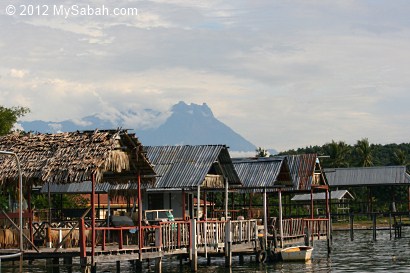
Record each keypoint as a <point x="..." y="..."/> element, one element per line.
<point x="72" y="157"/>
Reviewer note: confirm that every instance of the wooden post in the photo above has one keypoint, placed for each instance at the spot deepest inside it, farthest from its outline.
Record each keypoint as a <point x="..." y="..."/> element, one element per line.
<point x="329" y="221"/>
<point x="374" y="226"/>
<point x="265" y="220"/>
<point x="205" y="212"/>
<point x="140" y="235"/>
<point x="158" y="265"/>
<point x="228" y="244"/>
<point x="194" y="250"/>
<point x="198" y="202"/>
<point x="226" y="198"/>
<point x="390" y="225"/>
<point x="183" y="205"/>
<point x="280" y="219"/>
<point x="351" y="219"/>
<point x="92" y="219"/>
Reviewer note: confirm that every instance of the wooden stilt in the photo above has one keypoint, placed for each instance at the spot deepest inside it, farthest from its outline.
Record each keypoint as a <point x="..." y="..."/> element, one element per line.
<point x="351" y="219"/>
<point x="158" y="265"/>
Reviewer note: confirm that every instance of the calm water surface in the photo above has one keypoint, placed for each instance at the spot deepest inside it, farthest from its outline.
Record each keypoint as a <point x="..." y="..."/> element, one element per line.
<point x="360" y="255"/>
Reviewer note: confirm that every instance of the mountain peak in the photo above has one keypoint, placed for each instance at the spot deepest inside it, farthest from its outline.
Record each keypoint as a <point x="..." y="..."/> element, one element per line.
<point x="181" y="108"/>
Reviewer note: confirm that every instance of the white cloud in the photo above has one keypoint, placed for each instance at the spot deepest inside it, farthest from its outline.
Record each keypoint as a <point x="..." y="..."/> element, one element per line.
<point x="282" y="74"/>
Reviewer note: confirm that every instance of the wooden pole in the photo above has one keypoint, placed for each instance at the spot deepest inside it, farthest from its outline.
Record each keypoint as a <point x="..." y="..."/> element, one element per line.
<point x="183" y="205"/>
<point x="280" y="219"/>
<point x="92" y="219"/>
<point x="205" y="212"/>
<point x="351" y="219"/>
<point x="198" y="202"/>
<point x="328" y="221"/>
<point x="226" y="198"/>
<point x="140" y="243"/>
<point x="194" y="252"/>
<point x="374" y="226"/>
<point x="265" y="220"/>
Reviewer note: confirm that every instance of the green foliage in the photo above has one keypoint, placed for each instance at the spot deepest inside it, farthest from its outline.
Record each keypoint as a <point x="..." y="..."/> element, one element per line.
<point x="40" y="201"/>
<point x="261" y="152"/>
<point x="9" y="116"/>
<point x="4" y="202"/>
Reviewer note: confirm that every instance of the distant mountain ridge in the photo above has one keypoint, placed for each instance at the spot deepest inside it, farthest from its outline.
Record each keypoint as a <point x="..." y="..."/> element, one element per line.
<point x="187" y="125"/>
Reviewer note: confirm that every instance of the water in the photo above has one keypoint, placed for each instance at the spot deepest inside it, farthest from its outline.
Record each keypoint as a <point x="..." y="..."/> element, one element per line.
<point x="361" y="255"/>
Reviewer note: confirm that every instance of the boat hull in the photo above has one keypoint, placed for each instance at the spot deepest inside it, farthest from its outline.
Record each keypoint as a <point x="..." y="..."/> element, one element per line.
<point x="297" y="253"/>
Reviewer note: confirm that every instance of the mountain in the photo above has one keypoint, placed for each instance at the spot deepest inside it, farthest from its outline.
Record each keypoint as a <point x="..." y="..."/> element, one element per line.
<point x="187" y="125"/>
<point x="194" y="124"/>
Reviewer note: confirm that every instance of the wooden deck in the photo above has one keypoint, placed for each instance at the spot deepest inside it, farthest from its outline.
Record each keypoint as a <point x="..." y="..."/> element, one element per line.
<point x="187" y="239"/>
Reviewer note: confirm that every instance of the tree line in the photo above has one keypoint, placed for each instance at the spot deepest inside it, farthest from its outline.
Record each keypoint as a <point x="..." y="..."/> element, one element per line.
<point x="339" y="154"/>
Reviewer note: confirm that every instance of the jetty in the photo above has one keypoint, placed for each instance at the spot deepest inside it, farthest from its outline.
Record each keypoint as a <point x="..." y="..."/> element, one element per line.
<point x="196" y="185"/>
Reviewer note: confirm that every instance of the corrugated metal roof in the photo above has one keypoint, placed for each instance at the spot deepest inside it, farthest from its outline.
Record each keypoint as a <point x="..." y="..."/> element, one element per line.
<point x="334" y="195"/>
<point x="186" y="166"/>
<point x="367" y="176"/>
<point x="302" y="168"/>
<point x="263" y="172"/>
<point x="73" y="188"/>
<point x="85" y="188"/>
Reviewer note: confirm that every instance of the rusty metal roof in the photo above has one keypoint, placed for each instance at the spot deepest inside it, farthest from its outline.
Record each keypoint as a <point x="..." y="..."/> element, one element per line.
<point x="186" y="166"/>
<point x="302" y="169"/>
<point x="367" y="176"/>
<point x="263" y="172"/>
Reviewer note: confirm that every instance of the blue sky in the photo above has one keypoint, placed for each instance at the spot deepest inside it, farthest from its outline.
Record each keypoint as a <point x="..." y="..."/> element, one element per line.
<point x="283" y="74"/>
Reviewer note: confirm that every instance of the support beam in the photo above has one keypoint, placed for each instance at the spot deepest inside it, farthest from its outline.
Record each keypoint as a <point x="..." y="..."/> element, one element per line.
<point x="92" y="219"/>
<point x="198" y="202"/>
<point x="280" y="219"/>
<point x="265" y="220"/>
<point x="226" y="197"/>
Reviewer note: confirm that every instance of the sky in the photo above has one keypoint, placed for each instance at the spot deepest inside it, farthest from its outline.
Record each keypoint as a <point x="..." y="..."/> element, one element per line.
<point x="283" y="74"/>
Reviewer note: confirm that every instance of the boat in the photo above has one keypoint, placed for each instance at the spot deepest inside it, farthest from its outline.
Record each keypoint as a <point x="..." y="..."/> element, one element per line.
<point x="297" y="253"/>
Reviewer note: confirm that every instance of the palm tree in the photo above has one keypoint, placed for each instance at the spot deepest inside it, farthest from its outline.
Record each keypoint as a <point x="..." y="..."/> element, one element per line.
<point x="338" y="152"/>
<point x="400" y="158"/>
<point x="364" y="153"/>
<point x="261" y="152"/>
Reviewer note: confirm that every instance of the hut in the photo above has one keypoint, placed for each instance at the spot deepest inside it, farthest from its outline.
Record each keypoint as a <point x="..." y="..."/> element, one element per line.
<point x="392" y="181"/>
<point x="285" y="175"/>
<point x="113" y="156"/>
<point x="183" y="172"/>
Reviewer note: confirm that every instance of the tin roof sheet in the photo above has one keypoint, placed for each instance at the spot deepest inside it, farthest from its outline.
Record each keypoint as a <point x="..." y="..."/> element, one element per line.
<point x="186" y="166"/>
<point x="263" y="172"/>
<point x="334" y="195"/>
<point x="367" y="176"/>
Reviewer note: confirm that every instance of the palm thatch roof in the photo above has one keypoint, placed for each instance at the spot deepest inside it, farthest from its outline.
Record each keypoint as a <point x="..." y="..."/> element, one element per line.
<point x="113" y="155"/>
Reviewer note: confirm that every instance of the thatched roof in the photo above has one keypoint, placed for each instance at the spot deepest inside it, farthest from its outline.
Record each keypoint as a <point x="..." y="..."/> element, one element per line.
<point x="73" y="157"/>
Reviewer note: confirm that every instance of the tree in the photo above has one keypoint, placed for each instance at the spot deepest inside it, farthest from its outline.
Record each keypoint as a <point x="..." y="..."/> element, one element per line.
<point x="400" y="158"/>
<point x="9" y="117"/>
<point x="364" y="153"/>
<point x="261" y="152"/>
<point x="338" y="152"/>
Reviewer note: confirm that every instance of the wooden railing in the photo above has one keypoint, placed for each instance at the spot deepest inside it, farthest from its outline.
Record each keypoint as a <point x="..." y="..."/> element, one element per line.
<point x="210" y="233"/>
<point x="175" y="235"/>
<point x="317" y="227"/>
<point x="293" y="228"/>
<point x="244" y="231"/>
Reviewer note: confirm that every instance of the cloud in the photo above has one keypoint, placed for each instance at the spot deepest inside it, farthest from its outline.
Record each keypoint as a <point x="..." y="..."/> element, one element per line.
<point x="282" y="74"/>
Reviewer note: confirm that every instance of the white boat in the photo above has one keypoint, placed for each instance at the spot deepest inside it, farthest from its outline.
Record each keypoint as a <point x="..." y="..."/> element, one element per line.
<point x="297" y="253"/>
